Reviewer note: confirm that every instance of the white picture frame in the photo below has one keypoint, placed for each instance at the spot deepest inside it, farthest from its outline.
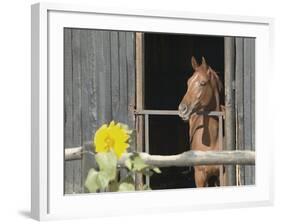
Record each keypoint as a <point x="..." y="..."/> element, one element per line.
<point x="48" y="200"/>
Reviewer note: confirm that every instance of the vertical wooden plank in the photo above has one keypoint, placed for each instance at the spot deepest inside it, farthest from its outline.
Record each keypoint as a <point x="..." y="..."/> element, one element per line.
<point x="253" y="69"/>
<point x="86" y="85"/>
<point x="115" y="76"/>
<point x="247" y="93"/>
<point x="131" y="77"/>
<point x="229" y="51"/>
<point x="76" y="90"/>
<point x="123" y="101"/>
<point x="88" y="99"/>
<point x="249" y="176"/>
<point x="139" y="97"/>
<point x="68" y="130"/>
<point x="239" y="72"/>
<point x="131" y="68"/>
<point x="103" y="76"/>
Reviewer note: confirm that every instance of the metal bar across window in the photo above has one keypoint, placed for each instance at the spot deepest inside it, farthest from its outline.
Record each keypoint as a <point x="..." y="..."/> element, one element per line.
<point x="175" y="112"/>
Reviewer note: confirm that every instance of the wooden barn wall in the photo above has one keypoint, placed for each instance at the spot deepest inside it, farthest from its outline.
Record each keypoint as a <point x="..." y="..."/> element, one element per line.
<point x="99" y="86"/>
<point x="245" y="102"/>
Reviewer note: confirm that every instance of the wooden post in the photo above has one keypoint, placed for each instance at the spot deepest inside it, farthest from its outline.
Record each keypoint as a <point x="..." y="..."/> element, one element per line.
<point x="139" y="99"/>
<point x="229" y="67"/>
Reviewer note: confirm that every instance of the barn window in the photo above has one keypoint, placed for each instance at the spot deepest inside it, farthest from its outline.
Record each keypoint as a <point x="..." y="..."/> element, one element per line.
<point x="139" y="79"/>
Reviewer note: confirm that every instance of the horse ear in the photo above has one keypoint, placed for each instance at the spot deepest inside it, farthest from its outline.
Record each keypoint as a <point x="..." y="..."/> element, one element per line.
<point x="204" y="63"/>
<point x="194" y="63"/>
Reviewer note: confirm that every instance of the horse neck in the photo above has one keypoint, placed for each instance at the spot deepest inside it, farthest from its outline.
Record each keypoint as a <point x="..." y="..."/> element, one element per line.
<point x="202" y="126"/>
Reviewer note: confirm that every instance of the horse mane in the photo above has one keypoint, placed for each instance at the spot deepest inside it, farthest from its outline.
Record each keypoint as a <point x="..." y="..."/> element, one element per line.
<point x="215" y="80"/>
<point x="217" y="86"/>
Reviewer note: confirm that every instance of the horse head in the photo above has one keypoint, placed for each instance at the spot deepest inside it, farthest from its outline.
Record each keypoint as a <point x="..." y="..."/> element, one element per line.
<point x="202" y="93"/>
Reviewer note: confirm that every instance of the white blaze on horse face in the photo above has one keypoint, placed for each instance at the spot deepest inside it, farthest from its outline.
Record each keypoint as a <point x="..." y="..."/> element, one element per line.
<point x="199" y="93"/>
<point x="194" y="90"/>
<point x="192" y="79"/>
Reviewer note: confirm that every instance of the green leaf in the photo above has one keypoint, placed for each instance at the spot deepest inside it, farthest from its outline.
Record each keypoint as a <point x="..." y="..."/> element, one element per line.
<point x="126" y="187"/>
<point x="128" y="163"/>
<point x="156" y="170"/>
<point x="91" y="182"/>
<point x="139" y="164"/>
<point x="107" y="162"/>
<point x="103" y="179"/>
<point x="108" y="168"/>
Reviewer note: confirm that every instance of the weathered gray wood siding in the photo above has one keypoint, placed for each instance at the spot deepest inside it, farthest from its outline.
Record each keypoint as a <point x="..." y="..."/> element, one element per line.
<point x="245" y="102"/>
<point x="99" y="86"/>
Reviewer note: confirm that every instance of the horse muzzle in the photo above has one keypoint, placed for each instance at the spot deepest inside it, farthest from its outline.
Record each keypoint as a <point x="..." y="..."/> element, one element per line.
<point x="185" y="112"/>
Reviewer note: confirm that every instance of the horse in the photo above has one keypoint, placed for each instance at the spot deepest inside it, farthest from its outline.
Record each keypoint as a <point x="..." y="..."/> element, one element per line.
<point x="203" y="95"/>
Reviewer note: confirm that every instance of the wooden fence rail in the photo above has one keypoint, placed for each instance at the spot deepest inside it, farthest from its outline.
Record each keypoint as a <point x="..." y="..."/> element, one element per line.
<point x="189" y="158"/>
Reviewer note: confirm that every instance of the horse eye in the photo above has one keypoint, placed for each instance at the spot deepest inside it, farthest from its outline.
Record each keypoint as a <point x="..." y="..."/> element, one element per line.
<point x="202" y="83"/>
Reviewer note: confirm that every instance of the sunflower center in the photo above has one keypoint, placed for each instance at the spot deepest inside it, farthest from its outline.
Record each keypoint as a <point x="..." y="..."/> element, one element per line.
<point x="109" y="142"/>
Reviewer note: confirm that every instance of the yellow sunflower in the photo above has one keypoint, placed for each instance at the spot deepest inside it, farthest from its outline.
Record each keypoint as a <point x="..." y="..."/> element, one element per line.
<point x="112" y="137"/>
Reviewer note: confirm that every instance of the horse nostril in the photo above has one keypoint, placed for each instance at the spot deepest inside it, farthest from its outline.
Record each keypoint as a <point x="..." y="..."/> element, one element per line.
<point x="182" y="108"/>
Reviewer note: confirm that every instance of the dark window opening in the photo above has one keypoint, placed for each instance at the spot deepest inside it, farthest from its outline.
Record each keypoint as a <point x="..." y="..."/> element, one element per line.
<point x="167" y="68"/>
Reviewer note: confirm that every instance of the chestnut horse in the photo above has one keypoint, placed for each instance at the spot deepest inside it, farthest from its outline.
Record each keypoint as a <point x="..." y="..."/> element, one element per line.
<point x="202" y="95"/>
